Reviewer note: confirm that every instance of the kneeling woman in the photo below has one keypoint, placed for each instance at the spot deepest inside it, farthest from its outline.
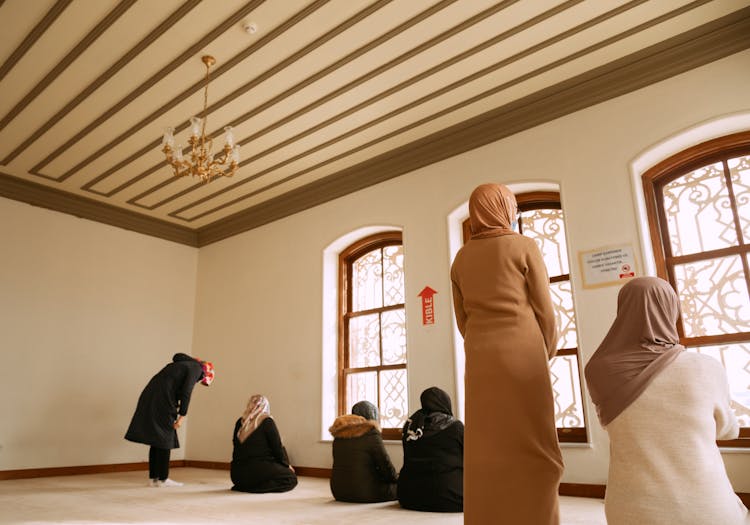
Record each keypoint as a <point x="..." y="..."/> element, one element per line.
<point x="259" y="461"/>
<point x="432" y="476"/>
<point x="362" y="470"/>
<point x="664" y="408"/>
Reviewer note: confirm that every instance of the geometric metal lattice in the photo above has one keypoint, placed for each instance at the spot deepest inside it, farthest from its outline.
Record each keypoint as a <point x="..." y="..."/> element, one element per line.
<point x="705" y="210"/>
<point x="699" y="217"/>
<point x="393" y="398"/>
<point x="377" y="334"/>
<point x="566" y="390"/>
<point x="547" y="227"/>
<point x="736" y="361"/>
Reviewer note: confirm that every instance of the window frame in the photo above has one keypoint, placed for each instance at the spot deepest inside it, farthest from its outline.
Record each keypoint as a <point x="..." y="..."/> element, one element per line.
<point x="653" y="181"/>
<point x="346" y="258"/>
<point x="536" y="200"/>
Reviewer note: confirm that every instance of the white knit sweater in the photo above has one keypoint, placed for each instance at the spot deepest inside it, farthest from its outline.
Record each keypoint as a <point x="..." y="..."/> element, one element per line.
<point x="665" y="467"/>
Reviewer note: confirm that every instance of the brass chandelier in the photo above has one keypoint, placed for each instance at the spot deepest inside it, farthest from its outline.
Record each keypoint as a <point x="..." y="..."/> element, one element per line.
<point x="201" y="162"/>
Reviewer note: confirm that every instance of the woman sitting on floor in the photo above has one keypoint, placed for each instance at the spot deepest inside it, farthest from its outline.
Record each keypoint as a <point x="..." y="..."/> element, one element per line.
<point x="432" y="476"/>
<point x="362" y="470"/>
<point x="663" y="408"/>
<point x="259" y="461"/>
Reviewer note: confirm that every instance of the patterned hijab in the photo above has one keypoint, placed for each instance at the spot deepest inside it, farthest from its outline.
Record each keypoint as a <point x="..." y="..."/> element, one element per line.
<point x="256" y="411"/>
<point x="642" y="342"/>
<point x="492" y="211"/>
<point x="208" y="372"/>
<point x="434" y="416"/>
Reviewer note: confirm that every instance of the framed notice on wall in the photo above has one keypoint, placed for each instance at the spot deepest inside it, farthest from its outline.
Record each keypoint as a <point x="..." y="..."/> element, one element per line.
<point x="607" y="266"/>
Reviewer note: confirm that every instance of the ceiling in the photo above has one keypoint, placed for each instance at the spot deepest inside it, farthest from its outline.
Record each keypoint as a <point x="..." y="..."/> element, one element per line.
<point x="326" y="96"/>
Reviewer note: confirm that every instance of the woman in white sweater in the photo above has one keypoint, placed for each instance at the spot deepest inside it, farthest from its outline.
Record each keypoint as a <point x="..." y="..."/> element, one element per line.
<point x="663" y="409"/>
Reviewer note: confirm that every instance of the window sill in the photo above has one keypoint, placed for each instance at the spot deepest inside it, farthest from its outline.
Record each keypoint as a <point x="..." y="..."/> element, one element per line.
<point x="564" y="444"/>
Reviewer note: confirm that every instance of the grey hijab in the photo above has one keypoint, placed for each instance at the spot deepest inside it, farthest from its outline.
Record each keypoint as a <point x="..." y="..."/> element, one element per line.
<point x="366" y="410"/>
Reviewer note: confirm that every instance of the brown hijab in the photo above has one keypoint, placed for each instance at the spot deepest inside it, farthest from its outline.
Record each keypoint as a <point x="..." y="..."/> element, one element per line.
<point x="642" y="342"/>
<point x="492" y="210"/>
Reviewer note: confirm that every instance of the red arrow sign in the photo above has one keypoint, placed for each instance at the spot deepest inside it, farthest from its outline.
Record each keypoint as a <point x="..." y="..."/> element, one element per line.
<point x="428" y="305"/>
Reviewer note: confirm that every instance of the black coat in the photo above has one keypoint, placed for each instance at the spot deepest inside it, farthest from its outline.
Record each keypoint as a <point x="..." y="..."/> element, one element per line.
<point x="432" y="476"/>
<point x="362" y="471"/>
<point x="165" y="396"/>
<point x="260" y="463"/>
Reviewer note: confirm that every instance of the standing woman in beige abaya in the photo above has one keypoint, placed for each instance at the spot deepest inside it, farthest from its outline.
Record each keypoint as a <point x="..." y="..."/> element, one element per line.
<point x="512" y="460"/>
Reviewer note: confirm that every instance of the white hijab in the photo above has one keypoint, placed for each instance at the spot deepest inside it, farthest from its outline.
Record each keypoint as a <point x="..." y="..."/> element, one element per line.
<point x="256" y="411"/>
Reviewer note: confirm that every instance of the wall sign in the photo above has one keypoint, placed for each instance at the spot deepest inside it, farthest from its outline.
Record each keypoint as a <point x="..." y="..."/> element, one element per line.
<point x="607" y="266"/>
<point x="428" y="305"/>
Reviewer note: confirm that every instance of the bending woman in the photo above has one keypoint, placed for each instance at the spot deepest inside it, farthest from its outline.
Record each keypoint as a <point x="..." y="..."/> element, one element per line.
<point x="432" y="476"/>
<point x="161" y="408"/>
<point x="503" y="309"/>
<point x="259" y="461"/>
<point x="663" y="409"/>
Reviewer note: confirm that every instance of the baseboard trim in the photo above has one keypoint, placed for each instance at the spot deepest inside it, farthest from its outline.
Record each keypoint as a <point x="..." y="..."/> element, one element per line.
<point x="582" y="490"/>
<point x="79" y="470"/>
<point x="579" y="490"/>
<point x="313" y="472"/>
<point x="216" y="465"/>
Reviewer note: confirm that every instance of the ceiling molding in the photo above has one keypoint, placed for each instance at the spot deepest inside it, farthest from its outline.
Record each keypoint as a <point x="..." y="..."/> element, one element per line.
<point x="154" y="79"/>
<point x="61" y="66"/>
<point x="33" y="36"/>
<point x="705" y="44"/>
<point x="85" y="208"/>
<point x="145" y="42"/>
<point x="695" y="48"/>
<point x="259" y="79"/>
<point x="178" y="213"/>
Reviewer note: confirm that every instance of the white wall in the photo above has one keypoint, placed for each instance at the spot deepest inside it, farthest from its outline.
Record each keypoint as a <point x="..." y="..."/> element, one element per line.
<point x="259" y="293"/>
<point x="88" y="313"/>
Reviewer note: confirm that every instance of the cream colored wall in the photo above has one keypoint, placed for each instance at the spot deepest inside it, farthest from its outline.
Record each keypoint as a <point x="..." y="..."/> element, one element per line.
<point x="88" y="313"/>
<point x="259" y="293"/>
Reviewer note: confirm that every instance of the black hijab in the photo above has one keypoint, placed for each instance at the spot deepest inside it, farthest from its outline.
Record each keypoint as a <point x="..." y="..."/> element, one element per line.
<point x="434" y="416"/>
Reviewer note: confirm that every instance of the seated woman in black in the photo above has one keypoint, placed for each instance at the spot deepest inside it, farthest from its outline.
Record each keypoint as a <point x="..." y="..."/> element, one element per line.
<point x="432" y="476"/>
<point x="362" y="470"/>
<point x="259" y="461"/>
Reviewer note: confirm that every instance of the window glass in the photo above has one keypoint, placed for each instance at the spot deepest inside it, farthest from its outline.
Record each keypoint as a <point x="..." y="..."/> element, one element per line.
<point x="699" y="216"/>
<point x="698" y="203"/>
<point x="373" y="358"/>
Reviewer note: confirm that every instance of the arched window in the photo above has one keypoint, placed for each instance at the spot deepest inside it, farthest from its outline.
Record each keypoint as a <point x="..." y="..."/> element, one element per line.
<point x="372" y="329"/>
<point x="698" y="204"/>
<point x="541" y="218"/>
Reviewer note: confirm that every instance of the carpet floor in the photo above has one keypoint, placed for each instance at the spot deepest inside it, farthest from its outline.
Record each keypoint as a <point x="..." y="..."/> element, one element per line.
<point x="124" y="497"/>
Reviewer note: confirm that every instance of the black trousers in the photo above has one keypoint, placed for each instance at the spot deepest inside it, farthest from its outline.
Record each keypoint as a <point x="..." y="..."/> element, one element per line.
<point x="158" y="463"/>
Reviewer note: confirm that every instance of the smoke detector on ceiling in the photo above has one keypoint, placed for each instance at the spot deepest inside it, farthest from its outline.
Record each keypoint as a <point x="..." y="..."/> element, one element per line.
<point x="249" y="27"/>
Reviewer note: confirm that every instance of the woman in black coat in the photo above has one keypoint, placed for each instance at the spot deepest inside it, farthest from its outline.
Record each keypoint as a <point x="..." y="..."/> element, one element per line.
<point x="362" y="471"/>
<point x="432" y="476"/>
<point x="161" y="408"/>
<point x="259" y="461"/>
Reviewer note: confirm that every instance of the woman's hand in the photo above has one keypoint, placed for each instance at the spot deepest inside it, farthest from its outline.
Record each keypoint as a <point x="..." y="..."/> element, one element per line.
<point x="177" y="423"/>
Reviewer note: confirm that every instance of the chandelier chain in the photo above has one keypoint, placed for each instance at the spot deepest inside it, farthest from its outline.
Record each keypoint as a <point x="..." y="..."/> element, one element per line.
<point x="199" y="161"/>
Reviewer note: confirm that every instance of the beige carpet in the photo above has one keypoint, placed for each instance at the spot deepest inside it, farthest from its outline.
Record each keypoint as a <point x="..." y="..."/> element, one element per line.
<point x="206" y="498"/>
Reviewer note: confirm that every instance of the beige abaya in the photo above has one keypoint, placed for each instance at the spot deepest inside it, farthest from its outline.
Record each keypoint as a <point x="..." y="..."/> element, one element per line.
<point x="512" y="460"/>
